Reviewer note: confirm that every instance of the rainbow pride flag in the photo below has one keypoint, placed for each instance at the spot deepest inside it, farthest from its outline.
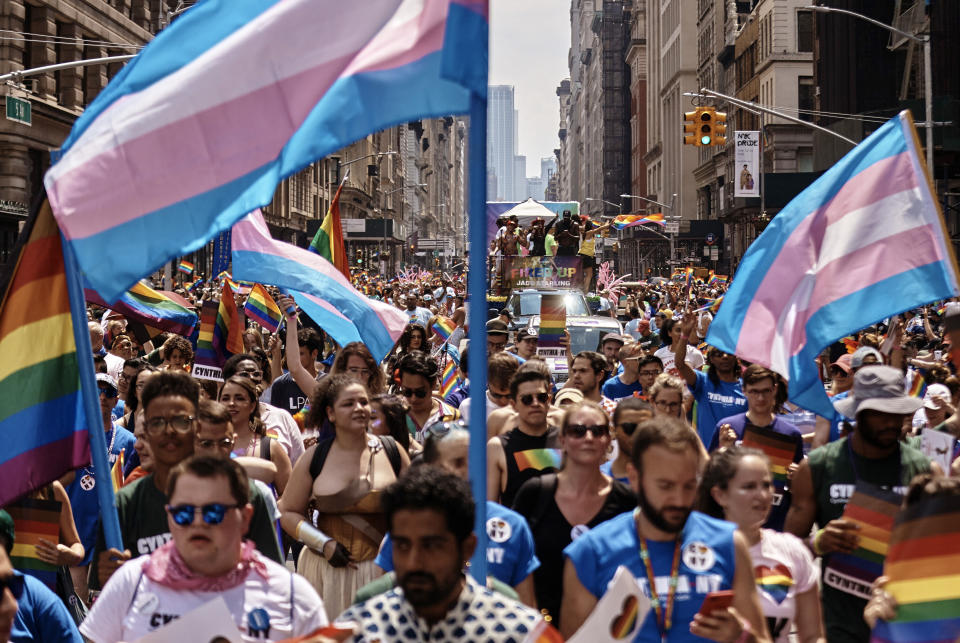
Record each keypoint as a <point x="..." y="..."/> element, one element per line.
<point x="194" y="285"/>
<point x="553" y="321"/>
<point x="716" y="280"/>
<point x="450" y="374"/>
<point x="631" y="220"/>
<point x="145" y="305"/>
<point x="774" y="581"/>
<point x="539" y="459"/>
<point x="42" y="423"/>
<point x="850" y="344"/>
<point x="923" y="565"/>
<point x="678" y="273"/>
<point x="228" y="331"/>
<point x="185" y="267"/>
<point x="261" y="308"/>
<point x="918" y="386"/>
<point x="444" y="327"/>
<point x="116" y="472"/>
<point x="873" y="509"/>
<point x="206" y="354"/>
<point x="780" y="449"/>
<point x="34" y="519"/>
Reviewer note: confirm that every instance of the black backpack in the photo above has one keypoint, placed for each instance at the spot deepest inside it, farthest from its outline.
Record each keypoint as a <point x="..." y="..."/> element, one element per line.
<point x="323" y="450"/>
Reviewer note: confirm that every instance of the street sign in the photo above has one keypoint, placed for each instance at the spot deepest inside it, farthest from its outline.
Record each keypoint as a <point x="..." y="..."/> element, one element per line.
<point x="19" y="110"/>
<point x="672" y="227"/>
<point x="714" y="254"/>
<point x="711" y="238"/>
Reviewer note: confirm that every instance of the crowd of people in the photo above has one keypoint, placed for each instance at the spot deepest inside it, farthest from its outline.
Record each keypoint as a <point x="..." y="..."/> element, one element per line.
<point x="323" y="494"/>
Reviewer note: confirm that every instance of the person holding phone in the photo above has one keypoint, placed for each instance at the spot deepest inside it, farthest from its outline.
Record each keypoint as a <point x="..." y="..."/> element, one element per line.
<point x="737" y="486"/>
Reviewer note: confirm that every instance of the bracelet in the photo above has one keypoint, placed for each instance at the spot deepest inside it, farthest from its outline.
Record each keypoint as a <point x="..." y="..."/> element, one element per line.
<point x="746" y="633"/>
<point x="312" y="537"/>
<point x="815" y="545"/>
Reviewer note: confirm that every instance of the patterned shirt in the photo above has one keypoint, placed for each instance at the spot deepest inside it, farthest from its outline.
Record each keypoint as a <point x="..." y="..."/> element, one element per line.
<point x="479" y="615"/>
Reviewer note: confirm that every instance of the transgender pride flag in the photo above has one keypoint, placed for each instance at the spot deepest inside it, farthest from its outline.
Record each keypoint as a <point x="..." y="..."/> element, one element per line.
<point x="235" y="95"/>
<point x="865" y="241"/>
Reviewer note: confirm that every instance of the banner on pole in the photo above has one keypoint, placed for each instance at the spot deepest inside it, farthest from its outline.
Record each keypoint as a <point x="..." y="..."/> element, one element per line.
<point x="747" y="165"/>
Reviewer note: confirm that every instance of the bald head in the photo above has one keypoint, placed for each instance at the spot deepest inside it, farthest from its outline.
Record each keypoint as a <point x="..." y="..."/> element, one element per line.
<point x="96" y="335"/>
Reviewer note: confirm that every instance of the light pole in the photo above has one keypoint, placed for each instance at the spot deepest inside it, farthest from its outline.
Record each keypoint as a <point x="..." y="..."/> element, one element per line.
<point x="671" y="217"/>
<point x="927" y="68"/>
<point x="618" y="207"/>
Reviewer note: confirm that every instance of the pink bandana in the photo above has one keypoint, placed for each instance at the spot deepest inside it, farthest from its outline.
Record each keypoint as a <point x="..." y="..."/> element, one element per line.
<point x="168" y="568"/>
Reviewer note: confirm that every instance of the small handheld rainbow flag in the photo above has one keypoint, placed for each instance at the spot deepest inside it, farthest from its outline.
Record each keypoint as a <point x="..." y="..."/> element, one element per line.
<point x="631" y="220"/>
<point x="450" y="376"/>
<point x="678" y="273"/>
<point x="194" y="285"/>
<point x="34" y="519"/>
<point x="116" y="472"/>
<point x="780" y="449"/>
<point x="261" y="308"/>
<point x="873" y="509"/>
<point x="923" y="565"/>
<point x="185" y="267"/>
<point x="918" y="386"/>
<point x="444" y="327"/>
<point x="716" y="280"/>
<point x="553" y="320"/>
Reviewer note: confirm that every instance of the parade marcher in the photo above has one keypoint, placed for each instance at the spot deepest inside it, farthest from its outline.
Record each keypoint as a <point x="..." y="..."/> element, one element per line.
<point x="671" y="333"/>
<point x="511" y="557"/>
<point x="765" y="392"/>
<point x="413" y="338"/>
<point x="561" y="507"/>
<point x="332" y="502"/>
<point x="649" y="369"/>
<point x="418" y="376"/>
<point x="388" y="416"/>
<point x="430" y="513"/>
<point x="355" y="360"/>
<point x="526" y="344"/>
<point x="567" y="235"/>
<point x="872" y="455"/>
<point x="29" y="610"/>
<point x="683" y="554"/>
<point x="831" y="430"/>
<point x="524" y="452"/>
<point x="537" y="238"/>
<point x="303" y="349"/>
<point x="586" y="375"/>
<point x="176" y="353"/>
<point x="501" y="367"/>
<point x="207" y="558"/>
<point x="610" y="347"/>
<point x="627" y="383"/>
<point x="630" y="413"/>
<point x="497" y="336"/>
<point x="737" y="485"/>
<point x="666" y="395"/>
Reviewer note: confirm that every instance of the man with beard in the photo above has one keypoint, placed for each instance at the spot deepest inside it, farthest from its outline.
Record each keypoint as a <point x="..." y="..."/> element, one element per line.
<point x="677" y="555"/>
<point x="872" y="455"/>
<point x="430" y="513"/>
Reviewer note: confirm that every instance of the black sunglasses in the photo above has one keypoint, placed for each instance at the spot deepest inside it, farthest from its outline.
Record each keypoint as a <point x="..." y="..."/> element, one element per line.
<point x="410" y="392"/>
<point x="527" y="400"/>
<point x="580" y="430"/>
<point x="213" y="513"/>
<point x="628" y="427"/>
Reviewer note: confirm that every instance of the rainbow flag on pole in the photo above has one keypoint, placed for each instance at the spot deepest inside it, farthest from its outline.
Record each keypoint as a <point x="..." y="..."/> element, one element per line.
<point x="553" y="321"/>
<point x="145" y="305"/>
<point x="873" y="509"/>
<point x="444" y="327"/>
<point x="228" y="332"/>
<point x="630" y="220"/>
<point x="185" y="267"/>
<point x="42" y="422"/>
<point x="328" y="241"/>
<point x="450" y="375"/>
<point x="261" y="308"/>
<point x="923" y="565"/>
<point x="206" y="363"/>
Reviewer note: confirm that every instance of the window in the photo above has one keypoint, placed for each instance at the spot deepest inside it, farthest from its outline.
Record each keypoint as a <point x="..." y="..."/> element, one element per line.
<point x="805" y="96"/>
<point x="805" y="31"/>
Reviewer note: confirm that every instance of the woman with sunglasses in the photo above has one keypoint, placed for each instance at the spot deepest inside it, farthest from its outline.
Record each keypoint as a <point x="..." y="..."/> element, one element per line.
<point x="562" y="506"/>
<point x="629" y="414"/>
<point x="208" y="511"/>
<point x="737" y="486"/>
<point x="418" y="374"/>
<point x="332" y="503"/>
<point x="240" y="395"/>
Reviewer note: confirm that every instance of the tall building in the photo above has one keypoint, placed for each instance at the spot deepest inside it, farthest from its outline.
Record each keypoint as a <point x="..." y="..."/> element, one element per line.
<point x="501" y="140"/>
<point x="548" y="167"/>
<point x="519" y="177"/>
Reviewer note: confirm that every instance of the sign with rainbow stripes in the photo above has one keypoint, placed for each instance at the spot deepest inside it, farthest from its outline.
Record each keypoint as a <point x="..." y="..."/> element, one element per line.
<point x="553" y="321"/>
<point x="873" y="509"/>
<point x="923" y="565"/>
<point x="780" y="449"/>
<point x="34" y="519"/>
<point x="619" y="614"/>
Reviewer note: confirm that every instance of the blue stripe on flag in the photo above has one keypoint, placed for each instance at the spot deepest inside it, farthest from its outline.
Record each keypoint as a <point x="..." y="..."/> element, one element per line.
<point x="343" y="331"/>
<point x="41" y="424"/>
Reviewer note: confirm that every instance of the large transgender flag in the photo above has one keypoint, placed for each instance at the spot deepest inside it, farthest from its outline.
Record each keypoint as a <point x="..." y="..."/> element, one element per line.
<point x="235" y="95"/>
<point x="322" y="291"/>
<point x="865" y="241"/>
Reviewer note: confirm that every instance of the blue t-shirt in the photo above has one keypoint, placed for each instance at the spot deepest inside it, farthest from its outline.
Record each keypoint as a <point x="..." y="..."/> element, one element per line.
<point x="838" y="419"/>
<point x="41" y="615"/>
<point x="118" y="410"/>
<point x="716" y="401"/>
<point x="781" y="496"/>
<point x="707" y="565"/>
<point x="616" y="390"/>
<point x="607" y="468"/>
<point x="83" y="494"/>
<point x="510" y="550"/>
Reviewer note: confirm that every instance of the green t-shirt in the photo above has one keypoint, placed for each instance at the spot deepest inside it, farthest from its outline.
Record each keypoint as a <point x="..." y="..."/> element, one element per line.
<point x="143" y="523"/>
<point x="550" y="245"/>
<point x="834" y="480"/>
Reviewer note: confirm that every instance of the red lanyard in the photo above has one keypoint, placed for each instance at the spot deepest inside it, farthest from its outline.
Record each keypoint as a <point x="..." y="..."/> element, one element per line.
<point x="664" y="614"/>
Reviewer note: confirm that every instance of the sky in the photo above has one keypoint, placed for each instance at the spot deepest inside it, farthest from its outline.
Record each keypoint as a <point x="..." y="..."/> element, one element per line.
<point x="529" y="40"/>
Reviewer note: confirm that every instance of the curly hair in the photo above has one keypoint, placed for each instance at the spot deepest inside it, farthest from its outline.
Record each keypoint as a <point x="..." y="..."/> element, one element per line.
<point x="324" y="395"/>
<point x="178" y="343"/>
<point x="419" y="363"/>
<point x="407" y="335"/>
<point x="394" y="410"/>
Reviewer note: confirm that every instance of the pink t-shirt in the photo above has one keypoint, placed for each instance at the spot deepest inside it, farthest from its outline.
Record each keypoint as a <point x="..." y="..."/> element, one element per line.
<point x="783" y="567"/>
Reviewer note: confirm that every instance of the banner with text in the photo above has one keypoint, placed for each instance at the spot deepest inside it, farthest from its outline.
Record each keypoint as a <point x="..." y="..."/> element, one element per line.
<point x="747" y="165"/>
<point x="544" y="272"/>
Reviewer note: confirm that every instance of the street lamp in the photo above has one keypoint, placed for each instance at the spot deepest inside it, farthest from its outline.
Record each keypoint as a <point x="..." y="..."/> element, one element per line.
<point x="927" y="68"/>
<point x="671" y="216"/>
<point x="618" y="207"/>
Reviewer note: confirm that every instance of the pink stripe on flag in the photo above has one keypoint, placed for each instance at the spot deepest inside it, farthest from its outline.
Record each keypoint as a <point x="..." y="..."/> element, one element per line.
<point x="401" y="44"/>
<point x="798" y="255"/>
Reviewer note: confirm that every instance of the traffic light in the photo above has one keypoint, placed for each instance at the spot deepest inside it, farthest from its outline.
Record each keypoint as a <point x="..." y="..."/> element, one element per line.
<point x="720" y="128"/>
<point x="690" y="120"/>
<point x="705" y="126"/>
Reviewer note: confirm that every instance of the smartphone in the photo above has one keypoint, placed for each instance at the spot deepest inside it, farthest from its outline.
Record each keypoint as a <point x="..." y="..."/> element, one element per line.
<point x="715" y="601"/>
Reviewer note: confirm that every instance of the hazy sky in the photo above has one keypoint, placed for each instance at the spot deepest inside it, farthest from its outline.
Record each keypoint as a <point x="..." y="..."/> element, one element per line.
<point x="529" y="40"/>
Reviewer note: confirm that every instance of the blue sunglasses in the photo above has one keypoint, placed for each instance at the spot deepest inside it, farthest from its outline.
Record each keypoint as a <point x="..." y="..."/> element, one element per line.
<point x="213" y="513"/>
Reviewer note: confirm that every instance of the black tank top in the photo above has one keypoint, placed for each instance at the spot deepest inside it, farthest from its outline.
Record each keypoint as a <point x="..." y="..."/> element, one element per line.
<point x="527" y="457"/>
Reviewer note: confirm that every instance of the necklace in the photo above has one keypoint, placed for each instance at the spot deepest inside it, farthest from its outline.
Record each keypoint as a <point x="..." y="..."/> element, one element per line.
<point x="664" y="613"/>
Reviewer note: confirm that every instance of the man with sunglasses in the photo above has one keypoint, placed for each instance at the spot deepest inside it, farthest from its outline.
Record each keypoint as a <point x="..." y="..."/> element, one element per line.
<point x="207" y="558"/>
<point x="501" y="367"/>
<point x="29" y="610"/>
<point x="528" y="450"/>
<point x="171" y="401"/>
<point x="630" y="413"/>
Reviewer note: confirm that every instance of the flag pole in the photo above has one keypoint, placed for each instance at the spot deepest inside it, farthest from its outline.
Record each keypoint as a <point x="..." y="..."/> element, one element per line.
<point x="109" y="520"/>
<point x="477" y="356"/>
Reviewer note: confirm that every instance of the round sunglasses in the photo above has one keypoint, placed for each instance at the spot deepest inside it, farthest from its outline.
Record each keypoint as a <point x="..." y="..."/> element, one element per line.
<point x="213" y="513"/>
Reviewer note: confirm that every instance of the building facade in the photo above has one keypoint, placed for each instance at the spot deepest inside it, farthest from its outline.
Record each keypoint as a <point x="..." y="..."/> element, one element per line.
<point x="502" y="140"/>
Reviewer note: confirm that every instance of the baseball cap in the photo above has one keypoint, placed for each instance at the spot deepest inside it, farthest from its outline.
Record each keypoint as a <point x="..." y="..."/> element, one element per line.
<point x="496" y="327"/>
<point x="526" y="333"/>
<point x="935" y="391"/>
<point x="856" y="361"/>
<point x="843" y="363"/>
<point x="616" y="337"/>
<point x="103" y="378"/>
<point x="878" y="388"/>
<point x="568" y="395"/>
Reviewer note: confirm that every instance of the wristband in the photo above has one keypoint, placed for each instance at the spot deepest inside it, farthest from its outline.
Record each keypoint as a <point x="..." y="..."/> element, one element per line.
<point x="746" y="633"/>
<point x="815" y="545"/>
<point x="312" y="537"/>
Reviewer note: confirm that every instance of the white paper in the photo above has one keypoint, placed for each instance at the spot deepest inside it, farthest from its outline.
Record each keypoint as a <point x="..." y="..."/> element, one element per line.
<point x="938" y="446"/>
<point x="609" y="617"/>
<point x="209" y="622"/>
